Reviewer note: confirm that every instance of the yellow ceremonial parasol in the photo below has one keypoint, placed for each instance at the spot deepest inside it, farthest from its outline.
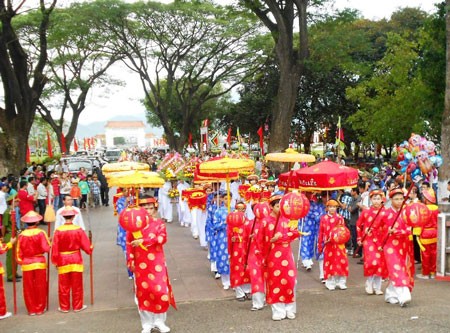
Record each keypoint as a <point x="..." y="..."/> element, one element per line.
<point x="124" y="166"/>
<point x="291" y="156"/>
<point x="136" y="179"/>
<point x="227" y="166"/>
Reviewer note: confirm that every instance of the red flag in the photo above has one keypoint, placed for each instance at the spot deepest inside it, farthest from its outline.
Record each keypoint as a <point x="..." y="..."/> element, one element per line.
<point x="89" y="143"/>
<point x="85" y="144"/>
<point x="49" y="146"/>
<point x="63" y="143"/>
<point x="229" y="137"/>
<point x="339" y="132"/>
<point x="75" y="144"/>
<point x="27" y="156"/>
<point x="261" y="139"/>
<point x="190" y="139"/>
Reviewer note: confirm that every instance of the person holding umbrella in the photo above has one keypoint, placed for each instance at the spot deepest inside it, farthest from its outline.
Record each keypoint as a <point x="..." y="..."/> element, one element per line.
<point x="68" y="240"/>
<point x="32" y="244"/>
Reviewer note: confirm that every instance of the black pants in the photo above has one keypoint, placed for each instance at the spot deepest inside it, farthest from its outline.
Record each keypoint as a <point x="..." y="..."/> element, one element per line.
<point x="104" y="195"/>
<point x="41" y="206"/>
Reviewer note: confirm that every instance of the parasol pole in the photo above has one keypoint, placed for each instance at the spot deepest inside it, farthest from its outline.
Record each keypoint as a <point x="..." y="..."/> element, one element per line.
<point x="228" y="193"/>
<point x="13" y="256"/>
<point x="91" y="259"/>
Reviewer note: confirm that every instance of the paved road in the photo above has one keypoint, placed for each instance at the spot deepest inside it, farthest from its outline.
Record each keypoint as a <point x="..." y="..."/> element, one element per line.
<point x="203" y="306"/>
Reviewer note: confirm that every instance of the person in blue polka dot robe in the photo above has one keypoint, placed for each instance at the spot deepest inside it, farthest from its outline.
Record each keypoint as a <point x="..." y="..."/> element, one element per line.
<point x="219" y="242"/>
<point x="310" y="224"/>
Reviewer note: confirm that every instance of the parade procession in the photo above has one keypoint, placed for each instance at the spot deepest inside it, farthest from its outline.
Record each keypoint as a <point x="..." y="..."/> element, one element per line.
<point x="258" y="234"/>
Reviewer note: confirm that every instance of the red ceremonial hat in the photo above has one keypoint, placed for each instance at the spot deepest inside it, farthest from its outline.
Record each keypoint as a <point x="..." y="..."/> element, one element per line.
<point x="147" y="200"/>
<point x="332" y="202"/>
<point x="395" y="191"/>
<point x="275" y="197"/>
<point x="240" y="204"/>
<point x="252" y="177"/>
<point x="68" y="211"/>
<point x="376" y="192"/>
<point x="429" y="195"/>
<point x="271" y="183"/>
<point x="31" y="217"/>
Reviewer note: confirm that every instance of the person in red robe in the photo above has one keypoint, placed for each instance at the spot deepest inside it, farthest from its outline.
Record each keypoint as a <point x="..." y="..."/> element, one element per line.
<point x="276" y="235"/>
<point x="254" y="257"/>
<point x="428" y="237"/>
<point x="145" y="257"/>
<point x="335" y="261"/>
<point x="237" y="249"/>
<point x="398" y="252"/>
<point x="4" y="247"/>
<point x="370" y="236"/>
<point x="68" y="240"/>
<point x="32" y="244"/>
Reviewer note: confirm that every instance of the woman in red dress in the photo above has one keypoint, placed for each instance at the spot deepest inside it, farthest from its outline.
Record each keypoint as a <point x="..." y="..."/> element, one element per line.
<point x="276" y="235"/>
<point x="370" y="236"/>
<point x="146" y="259"/>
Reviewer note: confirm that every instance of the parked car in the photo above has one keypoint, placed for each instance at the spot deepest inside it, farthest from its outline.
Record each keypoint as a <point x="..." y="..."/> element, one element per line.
<point x="112" y="155"/>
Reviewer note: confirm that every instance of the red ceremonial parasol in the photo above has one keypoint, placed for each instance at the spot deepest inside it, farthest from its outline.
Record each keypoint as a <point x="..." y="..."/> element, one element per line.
<point x="326" y="176"/>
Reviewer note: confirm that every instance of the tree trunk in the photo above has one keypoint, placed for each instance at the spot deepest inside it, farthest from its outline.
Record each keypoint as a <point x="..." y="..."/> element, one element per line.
<point x="444" y="171"/>
<point x="21" y="90"/>
<point x="284" y="108"/>
<point x="14" y="146"/>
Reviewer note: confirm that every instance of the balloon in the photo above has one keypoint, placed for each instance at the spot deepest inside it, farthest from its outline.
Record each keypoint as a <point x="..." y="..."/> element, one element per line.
<point x="439" y="161"/>
<point x="415" y="173"/>
<point x="422" y="155"/>
<point x="425" y="165"/>
<point x="411" y="167"/>
<point x="403" y="170"/>
<point x="429" y="147"/>
<point x="408" y="156"/>
<point x="414" y="140"/>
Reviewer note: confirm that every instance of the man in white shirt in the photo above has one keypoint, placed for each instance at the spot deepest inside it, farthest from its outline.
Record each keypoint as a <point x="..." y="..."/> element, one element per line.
<point x="42" y="195"/>
<point x="30" y="186"/>
<point x="3" y="205"/>
<point x="78" y="220"/>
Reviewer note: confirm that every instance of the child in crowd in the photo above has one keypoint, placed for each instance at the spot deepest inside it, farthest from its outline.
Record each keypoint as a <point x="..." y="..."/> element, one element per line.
<point x="85" y="190"/>
<point x="75" y="192"/>
<point x="94" y="186"/>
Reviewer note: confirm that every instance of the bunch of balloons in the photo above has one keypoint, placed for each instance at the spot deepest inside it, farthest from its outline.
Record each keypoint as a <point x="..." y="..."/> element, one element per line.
<point x="417" y="156"/>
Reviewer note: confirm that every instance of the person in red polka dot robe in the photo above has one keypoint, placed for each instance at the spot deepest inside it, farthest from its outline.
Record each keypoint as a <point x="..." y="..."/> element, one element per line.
<point x="398" y="252"/>
<point x="370" y="236"/>
<point x="254" y="257"/>
<point x="275" y="238"/>
<point x="146" y="259"/>
<point x="237" y="249"/>
<point x="335" y="261"/>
